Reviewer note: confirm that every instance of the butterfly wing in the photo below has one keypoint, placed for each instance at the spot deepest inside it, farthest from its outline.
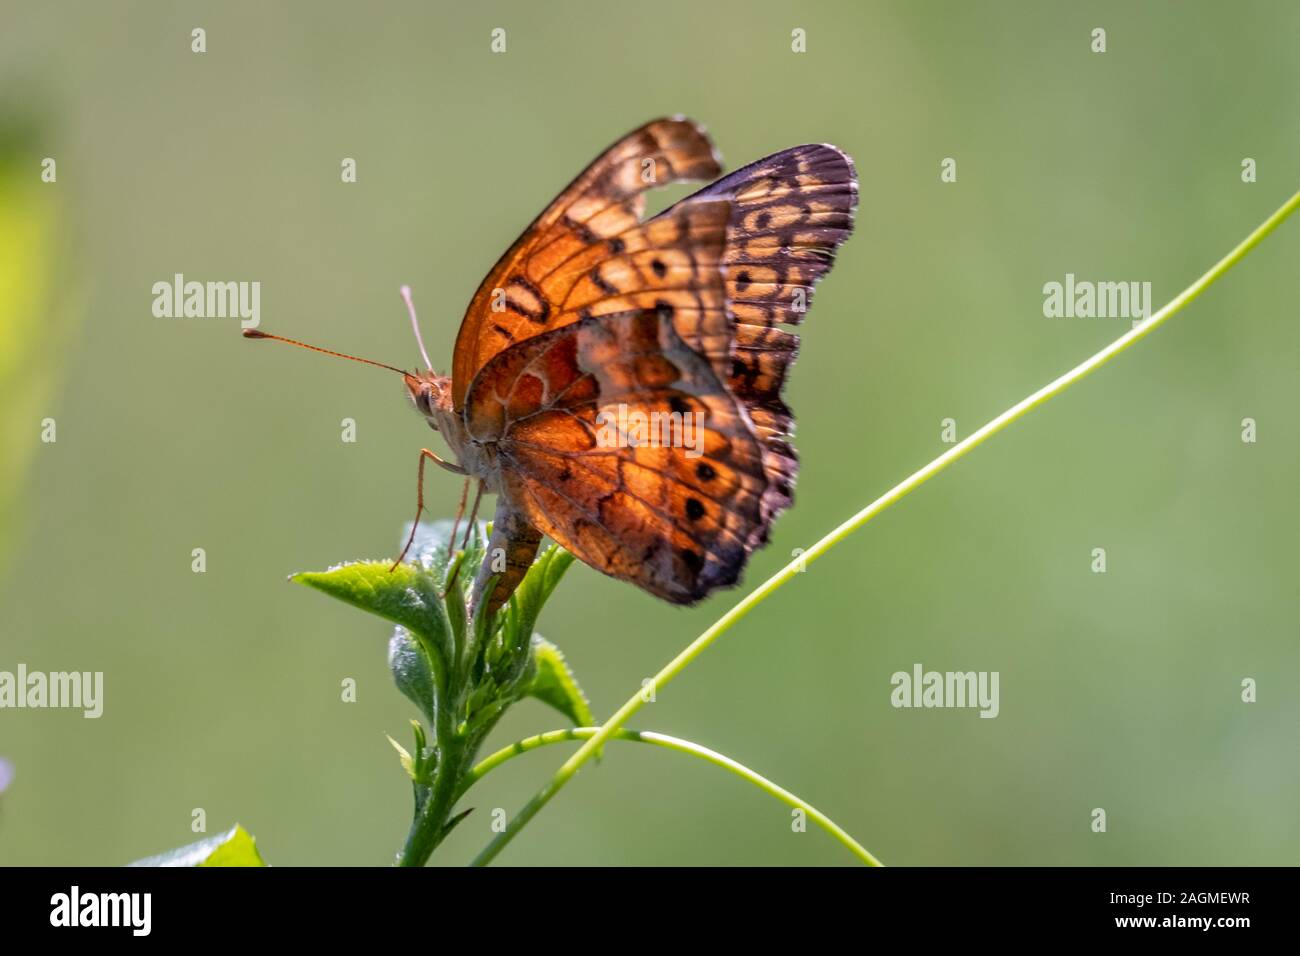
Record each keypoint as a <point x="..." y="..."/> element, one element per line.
<point x="589" y="253"/>
<point x="594" y="311"/>
<point x="791" y="211"/>
<point x="563" y="412"/>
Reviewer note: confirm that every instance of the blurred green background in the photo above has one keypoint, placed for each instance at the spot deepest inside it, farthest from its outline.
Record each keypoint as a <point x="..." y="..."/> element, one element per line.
<point x="1118" y="690"/>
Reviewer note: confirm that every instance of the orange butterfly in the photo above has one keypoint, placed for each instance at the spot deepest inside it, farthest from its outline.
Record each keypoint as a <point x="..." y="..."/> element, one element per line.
<point x="616" y="382"/>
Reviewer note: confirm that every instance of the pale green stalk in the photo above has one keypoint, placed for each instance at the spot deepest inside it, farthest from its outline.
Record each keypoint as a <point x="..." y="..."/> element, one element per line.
<point x="683" y="746"/>
<point x="899" y="491"/>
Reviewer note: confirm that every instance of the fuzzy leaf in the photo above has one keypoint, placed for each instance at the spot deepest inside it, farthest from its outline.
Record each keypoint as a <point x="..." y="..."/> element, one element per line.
<point x="404" y="756"/>
<point x="536" y="587"/>
<point x="411" y="674"/>
<point x="408" y="596"/>
<point x="433" y="550"/>
<point x="553" y="683"/>
<point x="233" y="848"/>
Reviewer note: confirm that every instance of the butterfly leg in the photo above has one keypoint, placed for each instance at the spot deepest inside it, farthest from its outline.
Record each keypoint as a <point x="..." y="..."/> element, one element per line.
<point x="460" y="513"/>
<point x="425" y="455"/>
<point x="510" y="553"/>
<point x="473" y="516"/>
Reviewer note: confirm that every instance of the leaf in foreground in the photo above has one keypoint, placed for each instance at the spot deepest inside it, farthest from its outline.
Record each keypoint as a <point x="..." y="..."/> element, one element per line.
<point x="233" y="848"/>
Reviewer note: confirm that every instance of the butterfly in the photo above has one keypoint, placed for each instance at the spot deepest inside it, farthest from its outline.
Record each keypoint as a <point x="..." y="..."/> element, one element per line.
<point x="616" y="381"/>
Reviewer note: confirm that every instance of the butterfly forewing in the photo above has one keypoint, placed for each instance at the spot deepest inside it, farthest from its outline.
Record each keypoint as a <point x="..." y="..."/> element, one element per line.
<point x="670" y="329"/>
<point x="596" y="218"/>
<point x="790" y="213"/>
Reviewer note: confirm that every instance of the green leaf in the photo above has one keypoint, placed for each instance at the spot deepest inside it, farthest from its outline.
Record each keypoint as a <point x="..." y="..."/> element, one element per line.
<point x="409" y="597"/>
<point x="433" y="550"/>
<point x="456" y="595"/>
<point x="554" y="684"/>
<point x="536" y="587"/>
<point x="461" y="672"/>
<point x="411" y="674"/>
<point x="234" y="848"/>
<point x="408" y="764"/>
<point x="451" y="824"/>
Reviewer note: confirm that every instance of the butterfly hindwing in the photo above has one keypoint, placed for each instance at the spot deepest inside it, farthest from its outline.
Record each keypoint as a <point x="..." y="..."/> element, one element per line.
<point x="571" y="413"/>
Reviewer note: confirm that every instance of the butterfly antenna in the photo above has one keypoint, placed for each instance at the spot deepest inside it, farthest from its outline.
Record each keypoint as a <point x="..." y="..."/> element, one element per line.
<point x="410" y="308"/>
<point x="255" y="334"/>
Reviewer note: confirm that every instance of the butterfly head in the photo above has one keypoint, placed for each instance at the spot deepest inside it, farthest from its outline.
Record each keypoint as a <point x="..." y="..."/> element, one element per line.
<point x="430" y="393"/>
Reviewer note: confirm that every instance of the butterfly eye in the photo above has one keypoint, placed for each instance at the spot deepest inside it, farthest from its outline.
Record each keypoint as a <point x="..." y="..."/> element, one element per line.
<point x="427" y="405"/>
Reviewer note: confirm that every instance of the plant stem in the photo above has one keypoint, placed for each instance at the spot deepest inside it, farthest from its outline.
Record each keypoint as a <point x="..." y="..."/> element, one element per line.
<point x="429" y="826"/>
<point x="683" y="746"/>
<point x="898" y="492"/>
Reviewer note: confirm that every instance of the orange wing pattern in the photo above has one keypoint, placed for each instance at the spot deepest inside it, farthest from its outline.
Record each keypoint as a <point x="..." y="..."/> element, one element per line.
<point x="675" y="518"/>
<point x="589" y="253"/>
<point x="791" y="211"/>
<point x="622" y="379"/>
